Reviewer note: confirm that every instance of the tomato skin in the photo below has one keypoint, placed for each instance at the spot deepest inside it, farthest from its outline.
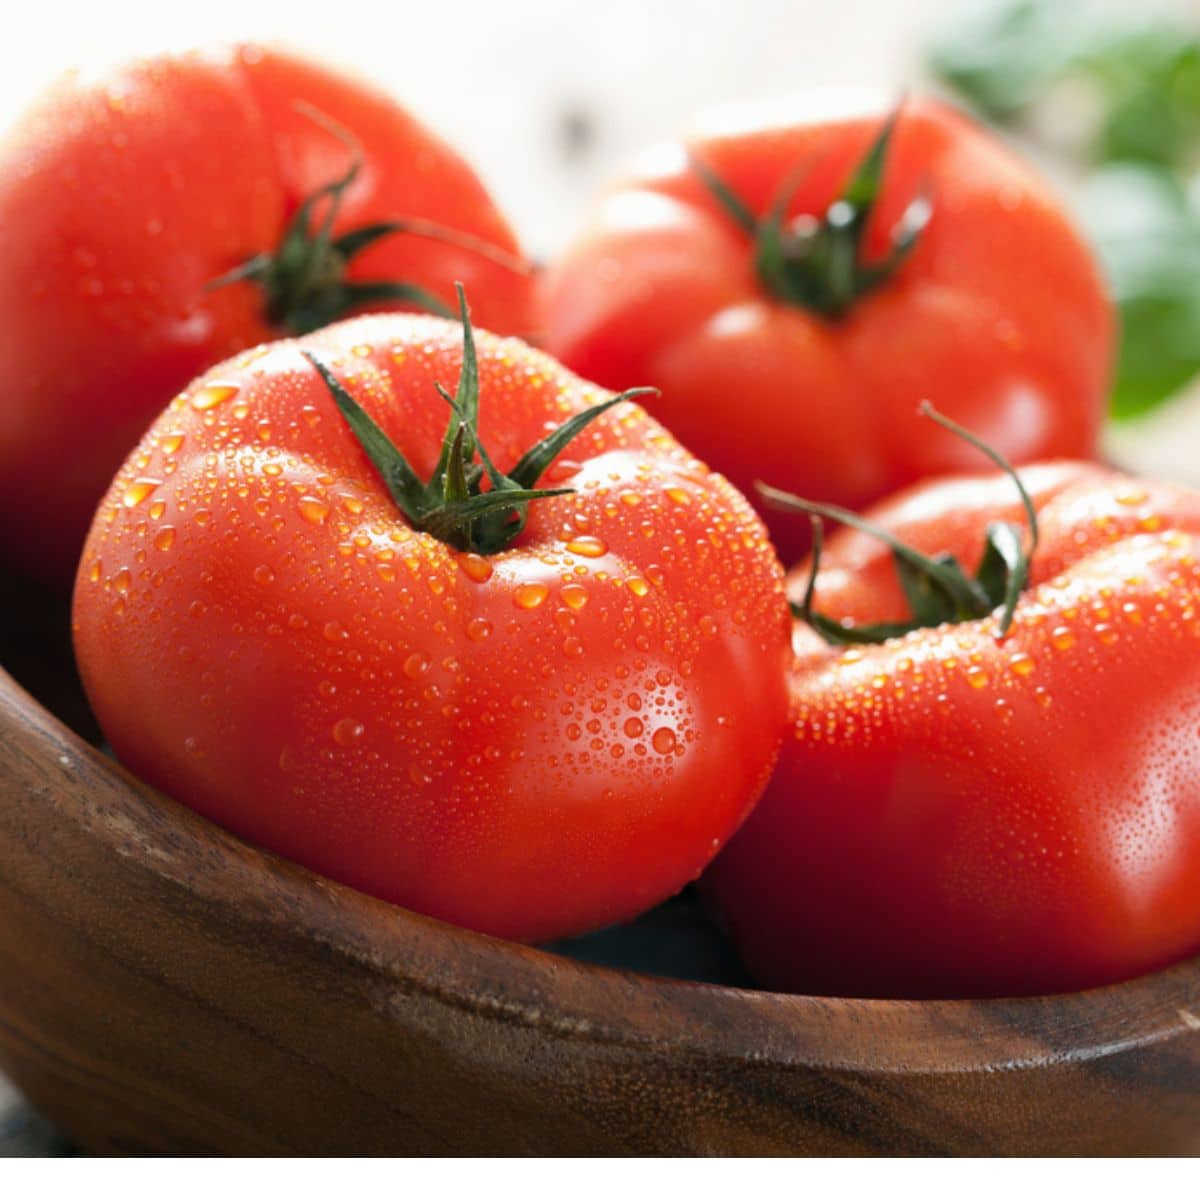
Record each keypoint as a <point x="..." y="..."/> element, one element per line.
<point x="956" y="816"/>
<point x="532" y="744"/>
<point x="998" y="317"/>
<point x="123" y="198"/>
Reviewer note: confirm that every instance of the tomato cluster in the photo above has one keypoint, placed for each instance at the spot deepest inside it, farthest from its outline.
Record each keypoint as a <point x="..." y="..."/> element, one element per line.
<point x="419" y="606"/>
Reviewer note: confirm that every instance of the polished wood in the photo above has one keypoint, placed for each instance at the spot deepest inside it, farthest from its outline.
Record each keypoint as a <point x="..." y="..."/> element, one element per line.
<point x="165" y="987"/>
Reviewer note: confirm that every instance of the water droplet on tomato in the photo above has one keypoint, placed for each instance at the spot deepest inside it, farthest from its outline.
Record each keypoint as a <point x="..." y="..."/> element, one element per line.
<point x="314" y="511"/>
<point x="574" y="595"/>
<point x="416" y="664"/>
<point x="347" y="731"/>
<point x="138" y="490"/>
<point x="530" y="595"/>
<point x="475" y="567"/>
<point x="588" y="546"/>
<point x="663" y="739"/>
<point x="212" y="394"/>
<point x="164" y="539"/>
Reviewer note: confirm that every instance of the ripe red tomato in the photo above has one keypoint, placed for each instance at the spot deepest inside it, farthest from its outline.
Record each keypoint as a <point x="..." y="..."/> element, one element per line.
<point x="531" y="739"/>
<point x="956" y="814"/>
<point x="851" y="270"/>
<point x="122" y="200"/>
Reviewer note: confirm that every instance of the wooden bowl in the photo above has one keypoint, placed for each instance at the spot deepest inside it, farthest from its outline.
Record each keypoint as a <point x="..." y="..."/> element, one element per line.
<point x="165" y="987"/>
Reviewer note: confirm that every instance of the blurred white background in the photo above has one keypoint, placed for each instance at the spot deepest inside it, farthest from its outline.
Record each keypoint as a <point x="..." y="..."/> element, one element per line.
<point x="546" y="99"/>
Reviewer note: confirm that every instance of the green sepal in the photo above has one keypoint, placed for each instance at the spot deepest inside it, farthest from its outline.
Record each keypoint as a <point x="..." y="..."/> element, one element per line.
<point x="819" y="265"/>
<point x="304" y="277"/>
<point x="451" y="505"/>
<point x="936" y="588"/>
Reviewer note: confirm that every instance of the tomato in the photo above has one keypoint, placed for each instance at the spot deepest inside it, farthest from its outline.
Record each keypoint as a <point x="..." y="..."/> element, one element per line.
<point x="962" y="813"/>
<point x="534" y="721"/>
<point x="795" y="278"/>
<point x="124" y="198"/>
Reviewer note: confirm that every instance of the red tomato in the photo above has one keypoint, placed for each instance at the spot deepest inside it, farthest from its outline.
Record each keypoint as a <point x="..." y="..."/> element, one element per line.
<point x="957" y="814"/>
<point x="530" y="742"/>
<point x="798" y="362"/>
<point x="122" y="200"/>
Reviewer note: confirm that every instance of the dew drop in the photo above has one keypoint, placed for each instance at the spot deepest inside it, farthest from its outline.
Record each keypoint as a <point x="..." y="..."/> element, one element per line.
<point x="347" y="731"/>
<point x="475" y="567"/>
<point x="164" y="539"/>
<point x="416" y="664"/>
<point x="530" y="595"/>
<point x="314" y="511"/>
<point x="213" y="394"/>
<point x="1061" y="638"/>
<point x="574" y="596"/>
<point x="588" y="546"/>
<point x="138" y="490"/>
<point x="663" y="739"/>
<point x="478" y="629"/>
<point x="977" y="677"/>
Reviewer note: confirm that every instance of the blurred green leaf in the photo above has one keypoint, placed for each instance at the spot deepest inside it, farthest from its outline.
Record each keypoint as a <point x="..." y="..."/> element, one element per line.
<point x="1136" y="77"/>
<point x="1001" y="57"/>
<point x="1146" y="227"/>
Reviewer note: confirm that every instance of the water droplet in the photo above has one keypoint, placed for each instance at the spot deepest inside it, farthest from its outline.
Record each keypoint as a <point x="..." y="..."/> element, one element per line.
<point x="164" y="539"/>
<point x="663" y="739"/>
<point x="475" y="567"/>
<point x="678" y="495"/>
<point x="1106" y="633"/>
<point x="171" y="442"/>
<point x="1021" y="664"/>
<point x="478" y="629"/>
<point x="708" y="625"/>
<point x="977" y="677"/>
<point x="633" y="727"/>
<point x="637" y="585"/>
<point x="347" y="731"/>
<point x="1061" y="638"/>
<point x="587" y="546"/>
<point x="213" y="394"/>
<point x="263" y="574"/>
<point x="530" y="595"/>
<point x="574" y="595"/>
<point x="335" y="631"/>
<point x="122" y="580"/>
<point x="138" y="490"/>
<point x="314" y="511"/>
<point x="416" y="664"/>
<point x="1131" y="496"/>
<point x="572" y="647"/>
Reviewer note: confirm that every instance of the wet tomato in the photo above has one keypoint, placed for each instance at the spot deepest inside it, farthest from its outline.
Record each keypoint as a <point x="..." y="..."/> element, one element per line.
<point x="796" y="277"/>
<point x="125" y="196"/>
<point x="528" y="710"/>
<point x="964" y="811"/>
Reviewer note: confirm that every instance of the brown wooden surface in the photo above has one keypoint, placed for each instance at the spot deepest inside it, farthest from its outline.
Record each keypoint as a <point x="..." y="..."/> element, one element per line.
<point x="164" y="987"/>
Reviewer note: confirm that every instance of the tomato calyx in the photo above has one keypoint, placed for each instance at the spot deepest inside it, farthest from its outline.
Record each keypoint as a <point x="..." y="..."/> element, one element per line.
<point x="452" y="504"/>
<point x="937" y="588"/>
<point x="303" y="279"/>
<point x="814" y="262"/>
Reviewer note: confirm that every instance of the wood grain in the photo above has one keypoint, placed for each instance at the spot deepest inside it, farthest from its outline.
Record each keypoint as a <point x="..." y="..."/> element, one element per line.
<point x="165" y="987"/>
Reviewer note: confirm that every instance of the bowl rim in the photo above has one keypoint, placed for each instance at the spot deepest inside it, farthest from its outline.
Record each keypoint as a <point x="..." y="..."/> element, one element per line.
<point x="400" y="950"/>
